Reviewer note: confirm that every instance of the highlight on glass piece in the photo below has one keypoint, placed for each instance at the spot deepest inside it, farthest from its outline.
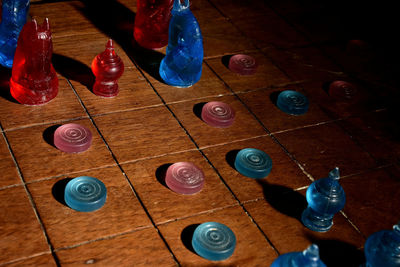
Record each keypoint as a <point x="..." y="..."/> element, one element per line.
<point x="253" y="163"/>
<point x="13" y="18"/>
<point x="184" y="178"/>
<point x="34" y="80"/>
<point x="85" y="193"/>
<point x="108" y="68"/>
<point x="342" y="90"/>
<point x="292" y="102"/>
<point x="325" y="198"/>
<point x="243" y="64"/>
<point x="152" y="22"/>
<point x="72" y="138"/>
<point x="213" y="241"/>
<point x="182" y="65"/>
<point x="383" y="248"/>
<point x="307" y="258"/>
<point x="218" y="114"/>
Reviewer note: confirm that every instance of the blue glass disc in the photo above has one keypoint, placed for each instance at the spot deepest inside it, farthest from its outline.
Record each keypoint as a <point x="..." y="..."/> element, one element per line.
<point x="292" y="102"/>
<point x="213" y="241"/>
<point x="253" y="163"/>
<point x="85" y="193"/>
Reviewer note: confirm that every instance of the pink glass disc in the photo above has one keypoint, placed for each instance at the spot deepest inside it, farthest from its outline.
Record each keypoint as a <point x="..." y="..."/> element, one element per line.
<point x="218" y="114"/>
<point x="243" y="64"/>
<point x="342" y="90"/>
<point x="72" y="138"/>
<point x="184" y="178"/>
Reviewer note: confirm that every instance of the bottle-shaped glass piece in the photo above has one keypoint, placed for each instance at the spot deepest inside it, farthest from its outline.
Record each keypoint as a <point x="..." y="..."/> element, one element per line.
<point x="325" y="197"/>
<point x="306" y="258"/>
<point x="182" y="65"/>
<point x="108" y="68"/>
<point x="14" y="13"/>
<point x="34" y="80"/>
<point x="383" y="248"/>
<point x="152" y="22"/>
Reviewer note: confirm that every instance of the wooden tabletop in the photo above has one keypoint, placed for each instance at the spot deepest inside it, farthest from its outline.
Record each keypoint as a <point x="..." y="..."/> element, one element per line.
<point x="300" y="46"/>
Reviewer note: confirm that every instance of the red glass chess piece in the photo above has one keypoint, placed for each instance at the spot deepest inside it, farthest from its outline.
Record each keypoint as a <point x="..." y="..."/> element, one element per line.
<point x="152" y="22"/>
<point x="108" y="68"/>
<point x="34" y="80"/>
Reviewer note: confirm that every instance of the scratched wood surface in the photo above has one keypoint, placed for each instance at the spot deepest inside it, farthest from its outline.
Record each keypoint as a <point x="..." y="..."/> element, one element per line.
<point x="299" y="45"/>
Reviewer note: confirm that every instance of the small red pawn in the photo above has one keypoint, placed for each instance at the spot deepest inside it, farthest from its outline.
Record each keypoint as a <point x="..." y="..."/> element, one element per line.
<point x="34" y="80"/>
<point x="108" y="68"/>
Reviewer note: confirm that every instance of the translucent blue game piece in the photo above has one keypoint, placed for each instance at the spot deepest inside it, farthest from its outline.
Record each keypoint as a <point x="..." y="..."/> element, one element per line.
<point x="306" y="258"/>
<point x="325" y="198"/>
<point x="85" y="193"/>
<point x="14" y="13"/>
<point x="383" y="248"/>
<point x="213" y="241"/>
<point x="292" y="102"/>
<point x="253" y="163"/>
<point x="182" y="65"/>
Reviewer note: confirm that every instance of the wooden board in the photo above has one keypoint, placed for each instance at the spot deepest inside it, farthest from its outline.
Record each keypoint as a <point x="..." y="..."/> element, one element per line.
<point x="151" y="125"/>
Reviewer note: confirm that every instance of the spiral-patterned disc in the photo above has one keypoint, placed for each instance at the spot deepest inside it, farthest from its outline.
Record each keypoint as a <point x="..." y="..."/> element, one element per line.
<point x="253" y="163"/>
<point x="184" y="178"/>
<point x="213" y="241"/>
<point x="243" y="64"/>
<point x="292" y="102"/>
<point x="342" y="90"/>
<point x="85" y="193"/>
<point x="218" y="114"/>
<point x="72" y="138"/>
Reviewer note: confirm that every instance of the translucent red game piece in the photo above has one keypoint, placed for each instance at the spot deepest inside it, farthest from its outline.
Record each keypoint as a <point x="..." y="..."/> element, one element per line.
<point x="342" y="90"/>
<point x="152" y="22"/>
<point x="243" y="64"/>
<point x="184" y="178"/>
<point x="108" y="68"/>
<point x="72" y="138"/>
<point x="218" y="114"/>
<point x="34" y="80"/>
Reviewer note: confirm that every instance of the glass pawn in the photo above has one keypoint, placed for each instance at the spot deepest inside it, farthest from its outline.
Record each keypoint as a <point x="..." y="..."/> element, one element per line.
<point x="325" y="197"/>
<point x="383" y="248"/>
<point x="14" y="13"/>
<point x="182" y="65"/>
<point x="34" y="80"/>
<point x="151" y="23"/>
<point x="306" y="258"/>
<point x="108" y="68"/>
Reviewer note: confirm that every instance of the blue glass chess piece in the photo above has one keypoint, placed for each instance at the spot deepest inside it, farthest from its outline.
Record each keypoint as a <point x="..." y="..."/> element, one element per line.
<point x="14" y="14"/>
<point x="383" y="248"/>
<point x="253" y="163"/>
<point x="213" y="241"/>
<point x="85" y="193"/>
<point x="182" y="65"/>
<point x="292" y="102"/>
<point x="306" y="258"/>
<point x="325" y="197"/>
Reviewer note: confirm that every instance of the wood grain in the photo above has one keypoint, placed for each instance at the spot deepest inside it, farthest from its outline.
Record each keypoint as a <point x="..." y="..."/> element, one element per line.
<point x="20" y="232"/>
<point x="39" y="158"/>
<point x="66" y="227"/>
<point x="8" y="170"/>
<point x="249" y="240"/>
<point x="140" y="248"/>
<point x="165" y="205"/>
<point x="284" y="176"/>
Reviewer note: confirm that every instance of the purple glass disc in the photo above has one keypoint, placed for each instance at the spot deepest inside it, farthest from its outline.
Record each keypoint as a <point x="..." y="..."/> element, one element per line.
<point x="342" y="90"/>
<point x="72" y="138"/>
<point x="243" y="64"/>
<point x="184" y="178"/>
<point x="218" y="114"/>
